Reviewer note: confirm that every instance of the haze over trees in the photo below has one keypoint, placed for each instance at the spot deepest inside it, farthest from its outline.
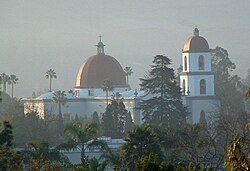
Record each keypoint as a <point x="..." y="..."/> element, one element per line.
<point x="164" y="142"/>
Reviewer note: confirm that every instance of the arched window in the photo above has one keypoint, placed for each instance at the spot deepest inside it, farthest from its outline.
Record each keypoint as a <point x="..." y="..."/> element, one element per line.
<point x="203" y="121"/>
<point x="183" y="87"/>
<point x="202" y="86"/>
<point x="185" y="63"/>
<point x="201" y="63"/>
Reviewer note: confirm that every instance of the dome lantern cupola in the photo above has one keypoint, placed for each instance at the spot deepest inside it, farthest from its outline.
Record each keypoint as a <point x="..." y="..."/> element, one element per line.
<point x="196" y="32"/>
<point x="100" y="46"/>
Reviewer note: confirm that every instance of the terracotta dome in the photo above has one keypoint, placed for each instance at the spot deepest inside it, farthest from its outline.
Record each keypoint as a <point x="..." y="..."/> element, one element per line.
<point x="98" y="68"/>
<point x="196" y="43"/>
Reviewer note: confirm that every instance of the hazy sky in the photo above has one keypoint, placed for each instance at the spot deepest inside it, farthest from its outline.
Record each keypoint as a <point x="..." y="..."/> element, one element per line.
<point x="36" y="35"/>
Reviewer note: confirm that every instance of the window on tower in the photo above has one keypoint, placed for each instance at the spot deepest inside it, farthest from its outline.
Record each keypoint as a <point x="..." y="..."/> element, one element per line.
<point x="77" y="93"/>
<point x="91" y="92"/>
<point x="183" y="87"/>
<point x="201" y="63"/>
<point x="185" y="63"/>
<point x="202" y="86"/>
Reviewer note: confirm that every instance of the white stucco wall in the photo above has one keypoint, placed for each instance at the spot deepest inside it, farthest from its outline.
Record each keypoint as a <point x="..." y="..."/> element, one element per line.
<point x="193" y="62"/>
<point x="193" y="84"/>
<point x="84" y="92"/>
<point x="210" y="107"/>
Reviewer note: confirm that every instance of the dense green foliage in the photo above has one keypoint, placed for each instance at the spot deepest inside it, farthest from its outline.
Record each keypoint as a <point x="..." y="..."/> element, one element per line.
<point x="41" y="155"/>
<point x="81" y="137"/>
<point x="116" y="120"/>
<point x="222" y="67"/>
<point x="9" y="158"/>
<point x="164" y="102"/>
<point x="140" y="141"/>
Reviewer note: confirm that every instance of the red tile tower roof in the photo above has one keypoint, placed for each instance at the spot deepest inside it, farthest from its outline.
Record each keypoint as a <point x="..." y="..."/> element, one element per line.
<point x="196" y="43"/>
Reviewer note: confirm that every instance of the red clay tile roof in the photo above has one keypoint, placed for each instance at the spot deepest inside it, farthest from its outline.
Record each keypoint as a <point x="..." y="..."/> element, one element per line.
<point x="98" y="68"/>
<point x="196" y="44"/>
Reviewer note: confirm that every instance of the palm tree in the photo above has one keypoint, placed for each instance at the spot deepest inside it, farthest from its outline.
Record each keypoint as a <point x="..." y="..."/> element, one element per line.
<point x="5" y="79"/>
<point x="81" y="137"/>
<point x="41" y="154"/>
<point x="111" y="157"/>
<point x="128" y="72"/>
<point x="60" y="98"/>
<point x="107" y="86"/>
<point x="13" y="80"/>
<point x="50" y="74"/>
<point x="137" y="145"/>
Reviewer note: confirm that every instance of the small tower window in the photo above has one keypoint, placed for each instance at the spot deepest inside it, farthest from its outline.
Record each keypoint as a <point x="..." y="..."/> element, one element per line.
<point x="184" y="87"/>
<point x="201" y="63"/>
<point x="77" y="93"/>
<point x="202" y="86"/>
<point x="185" y="63"/>
<point x="90" y="92"/>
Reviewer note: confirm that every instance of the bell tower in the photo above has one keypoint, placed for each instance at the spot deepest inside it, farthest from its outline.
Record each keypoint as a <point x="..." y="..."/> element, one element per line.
<point x="196" y="78"/>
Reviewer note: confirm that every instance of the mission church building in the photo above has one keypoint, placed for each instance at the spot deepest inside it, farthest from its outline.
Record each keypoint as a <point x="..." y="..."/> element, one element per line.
<point x="89" y="96"/>
<point x="197" y="79"/>
<point x="196" y="82"/>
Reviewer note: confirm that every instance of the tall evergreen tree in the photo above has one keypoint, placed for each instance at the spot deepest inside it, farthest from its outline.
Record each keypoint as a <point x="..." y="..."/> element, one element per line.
<point x="10" y="159"/>
<point x="128" y="122"/>
<point x="95" y="118"/>
<point x="163" y="103"/>
<point x="114" y="119"/>
<point x="222" y="67"/>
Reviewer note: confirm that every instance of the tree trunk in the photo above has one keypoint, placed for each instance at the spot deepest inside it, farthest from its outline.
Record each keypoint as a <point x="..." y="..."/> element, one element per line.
<point x="4" y="86"/>
<point x="12" y="87"/>
<point x="50" y="84"/>
<point x="60" y="110"/>
<point x="107" y="100"/>
<point x="83" y="157"/>
<point x="60" y="120"/>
